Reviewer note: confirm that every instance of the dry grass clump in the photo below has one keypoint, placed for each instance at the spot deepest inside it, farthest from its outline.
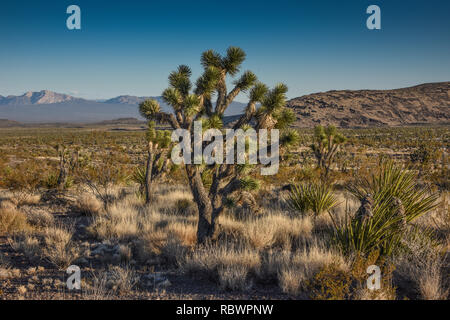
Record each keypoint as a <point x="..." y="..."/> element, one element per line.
<point x="12" y="221"/>
<point x="185" y="207"/>
<point x="303" y="265"/>
<point x="53" y="244"/>
<point x="4" y="267"/>
<point x="29" y="245"/>
<point x="7" y="204"/>
<point x="88" y="205"/>
<point x="121" y="221"/>
<point x="424" y="264"/>
<point x="96" y="288"/>
<point x="234" y="278"/>
<point x="40" y="218"/>
<point x="171" y="194"/>
<point x="122" y="280"/>
<point x="274" y="228"/>
<point x="156" y="234"/>
<point x="261" y="233"/>
<point x="183" y="231"/>
<point x="58" y="246"/>
<point x="290" y="280"/>
<point x="219" y="261"/>
<point x="25" y="199"/>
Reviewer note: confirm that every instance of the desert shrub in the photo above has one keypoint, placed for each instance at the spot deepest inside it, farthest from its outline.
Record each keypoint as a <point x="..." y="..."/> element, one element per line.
<point x="88" y="205"/>
<point x="425" y="155"/>
<point x="103" y="174"/>
<point x="234" y="277"/>
<point x="207" y="260"/>
<point x="121" y="280"/>
<point x="359" y="277"/>
<point x="422" y="263"/>
<point x="24" y="179"/>
<point x="40" y="218"/>
<point x="53" y="244"/>
<point x="330" y="283"/>
<point x="185" y="207"/>
<point x="315" y="197"/>
<point x="29" y="245"/>
<point x="12" y="221"/>
<point x="295" y="270"/>
<point x="58" y="247"/>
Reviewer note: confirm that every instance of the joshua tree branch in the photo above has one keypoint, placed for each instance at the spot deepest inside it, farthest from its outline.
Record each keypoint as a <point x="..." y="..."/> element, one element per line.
<point x="247" y="116"/>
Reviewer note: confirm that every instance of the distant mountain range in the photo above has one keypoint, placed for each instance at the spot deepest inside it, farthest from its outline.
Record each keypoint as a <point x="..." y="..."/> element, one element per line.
<point x="50" y="97"/>
<point x="41" y="97"/>
<point x="423" y="104"/>
<point x="48" y="106"/>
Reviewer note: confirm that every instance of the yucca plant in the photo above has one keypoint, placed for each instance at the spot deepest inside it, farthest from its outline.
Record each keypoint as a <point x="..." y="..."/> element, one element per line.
<point x="315" y="197"/>
<point x="138" y="177"/>
<point x="298" y="198"/>
<point x="395" y="181"/>
<point x="395" y="200"/>
<point x="381" y="232"/>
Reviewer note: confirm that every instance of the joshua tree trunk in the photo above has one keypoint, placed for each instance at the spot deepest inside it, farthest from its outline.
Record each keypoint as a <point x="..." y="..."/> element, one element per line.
<point x="62" y="178"/>
<point x="205" y="227"/>
<point x="148" y="174"/>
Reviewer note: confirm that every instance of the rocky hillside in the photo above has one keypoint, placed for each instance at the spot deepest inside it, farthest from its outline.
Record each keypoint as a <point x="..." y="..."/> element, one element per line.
<point x="423" y="104"/>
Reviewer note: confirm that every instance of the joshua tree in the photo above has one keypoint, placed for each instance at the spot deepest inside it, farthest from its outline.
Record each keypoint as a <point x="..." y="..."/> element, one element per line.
<point x="62" y="177"/>
<point x="211" y="194"/>
<point x="326" y="144"/>
<point x="159" y="143"/>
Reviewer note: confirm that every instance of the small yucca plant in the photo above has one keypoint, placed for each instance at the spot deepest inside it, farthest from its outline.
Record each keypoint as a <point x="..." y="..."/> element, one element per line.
<point x="138" y="176"/>
<point x="315" y="197"/>
<point x="381" y="232"/>
<point x="397" y="200"/>
<point x="298" y="199"/>
<point x="394" y="181"/>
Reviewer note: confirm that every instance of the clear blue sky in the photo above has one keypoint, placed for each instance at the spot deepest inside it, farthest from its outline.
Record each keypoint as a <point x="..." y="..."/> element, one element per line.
<point x="129" y="47"/>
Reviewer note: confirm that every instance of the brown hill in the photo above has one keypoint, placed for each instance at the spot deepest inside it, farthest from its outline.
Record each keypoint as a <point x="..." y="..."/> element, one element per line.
<point x="5" y="123"/>
<point x="423" y="104"/>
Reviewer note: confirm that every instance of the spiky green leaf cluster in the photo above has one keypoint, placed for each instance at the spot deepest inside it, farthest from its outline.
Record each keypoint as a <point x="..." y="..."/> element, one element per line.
<point x="312" y="197"/>
<point x="249" y="184"/>
<point x="289" y="137"/>
<point x="149" y="108"/>
<point x="394" y="180"/>
<point x="160" y="137"/>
